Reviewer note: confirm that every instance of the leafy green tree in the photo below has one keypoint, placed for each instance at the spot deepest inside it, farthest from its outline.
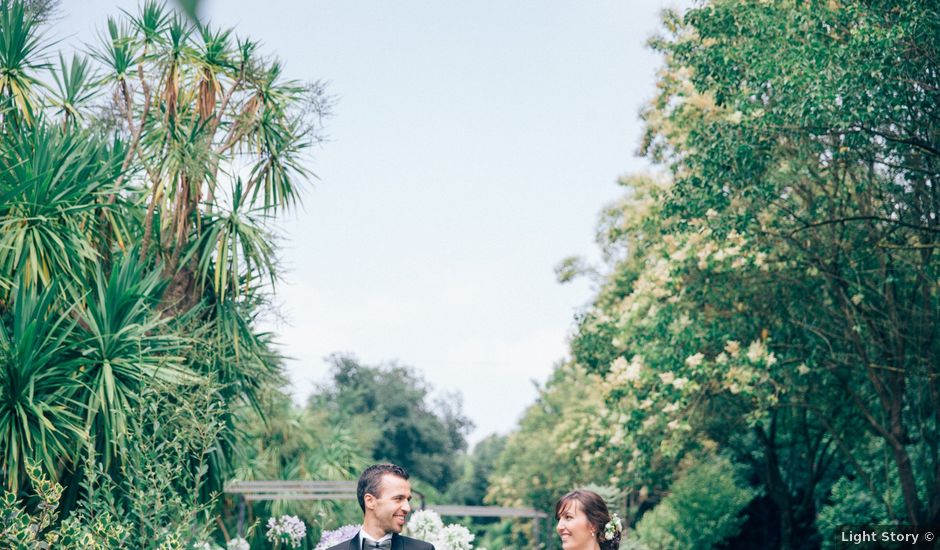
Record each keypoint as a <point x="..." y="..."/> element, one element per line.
<point x="777" y="295"/>
<point x="540" y="461"/>
<point x="810" y="128"/>
<point x="471" y="487"/>
<point x="708" y="494"/>
<point x="392" y="402"/>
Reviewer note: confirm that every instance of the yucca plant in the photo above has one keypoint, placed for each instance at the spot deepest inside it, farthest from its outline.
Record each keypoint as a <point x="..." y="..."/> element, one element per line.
<point x="52" y="183"/>
<point x="122" y="343"/>
<point x="74" y="88"/>
<point x="138" y="189"/>
<point x="21" y="58"/>
<point x="40" y="419"/>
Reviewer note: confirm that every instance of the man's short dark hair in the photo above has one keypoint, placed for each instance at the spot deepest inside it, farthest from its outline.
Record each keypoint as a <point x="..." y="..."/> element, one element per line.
<point x="371" y="480"/>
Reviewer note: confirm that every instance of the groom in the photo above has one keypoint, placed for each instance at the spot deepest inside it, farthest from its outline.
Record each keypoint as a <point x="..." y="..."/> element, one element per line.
<point x="384" y="494"/>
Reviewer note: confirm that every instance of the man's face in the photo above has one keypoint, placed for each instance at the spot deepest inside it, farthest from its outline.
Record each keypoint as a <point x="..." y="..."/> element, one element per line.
<point x="390" y="508"/>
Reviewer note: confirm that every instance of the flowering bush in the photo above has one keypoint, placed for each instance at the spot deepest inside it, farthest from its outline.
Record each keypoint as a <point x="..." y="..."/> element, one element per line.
<point x="331" y="538"/>
<point x="237" y="543"/>
<point x="287" y="529"/>
<point x="427" y="525"/>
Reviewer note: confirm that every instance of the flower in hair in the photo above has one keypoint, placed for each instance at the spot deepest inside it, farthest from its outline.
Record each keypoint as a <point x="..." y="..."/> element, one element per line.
<point x="613" y="527"/>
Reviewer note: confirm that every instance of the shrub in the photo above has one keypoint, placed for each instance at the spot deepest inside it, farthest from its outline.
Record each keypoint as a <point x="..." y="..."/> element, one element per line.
<point x="703" y="509"/>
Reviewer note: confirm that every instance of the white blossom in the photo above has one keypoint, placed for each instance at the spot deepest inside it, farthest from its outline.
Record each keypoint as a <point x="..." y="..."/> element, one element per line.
<point x="756" y="351"/>
<point x="454" y="537"/>
<point x="427" y="525"/>
<point x="424" y="524"/>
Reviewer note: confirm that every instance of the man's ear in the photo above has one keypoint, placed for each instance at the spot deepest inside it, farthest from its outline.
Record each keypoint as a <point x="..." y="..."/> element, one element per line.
<point x="369" y="500"/>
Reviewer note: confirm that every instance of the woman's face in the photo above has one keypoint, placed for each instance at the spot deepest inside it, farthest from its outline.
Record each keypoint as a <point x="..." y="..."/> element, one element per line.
<point x="575" y="530"/>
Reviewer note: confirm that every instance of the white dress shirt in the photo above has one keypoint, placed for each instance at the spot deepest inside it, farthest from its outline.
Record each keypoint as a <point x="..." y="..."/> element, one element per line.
<point x="363" y="537"/>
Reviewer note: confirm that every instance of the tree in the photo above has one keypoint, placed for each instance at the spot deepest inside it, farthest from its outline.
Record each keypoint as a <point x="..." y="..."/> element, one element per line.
<point x="811" y="127"/>
<point x="137" y="195"/>
<point x="392" y="403"/>
<point x="471" y="487"/>
<point x="777" y="295"/>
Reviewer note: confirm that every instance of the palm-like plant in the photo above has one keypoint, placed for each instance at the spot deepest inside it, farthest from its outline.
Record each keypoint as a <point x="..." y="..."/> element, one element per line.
<point x="121" y="343"/>
<point x="21" y="48"/>
<point x="138" y="262"/>
<point x="51" y="180"/>
<point x="73" y="88"/>
<point x="38" y="418"/>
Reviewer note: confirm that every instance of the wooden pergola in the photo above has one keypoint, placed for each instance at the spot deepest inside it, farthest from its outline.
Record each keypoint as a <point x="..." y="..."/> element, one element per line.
<point x="253" y="491"/>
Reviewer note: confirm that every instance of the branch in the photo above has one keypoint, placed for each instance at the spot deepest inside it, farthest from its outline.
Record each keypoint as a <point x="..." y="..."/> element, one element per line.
<point x="135" y="140"/>
<point x="863" y="218"/>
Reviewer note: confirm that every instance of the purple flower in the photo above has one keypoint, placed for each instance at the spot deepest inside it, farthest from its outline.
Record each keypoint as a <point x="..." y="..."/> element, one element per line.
<point x="330" y="538"/>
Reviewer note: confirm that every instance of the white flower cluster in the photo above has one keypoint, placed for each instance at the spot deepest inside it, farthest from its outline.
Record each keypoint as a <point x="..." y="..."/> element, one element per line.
<point x="237" y="543"/>
<point x="613" y="527"/>
<point x="286" y="529"/>
<point x="427" y="525"/>
<point x="424" y="525"/>
<point x="454" y="537"/>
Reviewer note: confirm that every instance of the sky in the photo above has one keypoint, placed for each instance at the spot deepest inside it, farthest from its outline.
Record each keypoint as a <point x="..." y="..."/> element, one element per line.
<point x="471" y="148"/>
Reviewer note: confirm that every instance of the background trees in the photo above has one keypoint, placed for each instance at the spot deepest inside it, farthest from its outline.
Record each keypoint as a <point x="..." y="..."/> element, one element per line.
<point x="774" y="299"/>
<point x="389" y="407"/>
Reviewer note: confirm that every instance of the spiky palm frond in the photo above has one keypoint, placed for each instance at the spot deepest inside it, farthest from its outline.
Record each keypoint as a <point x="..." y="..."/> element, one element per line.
<point x="123" y="342"/>
<point x="213" y="58"/>
<point x="74" y="87"/>
<point x="150" y="22"/>
<point x="117" y="51"/>
<point x="234" y="249"/>
<point x="39" y="421"/>
<point x="21" y="50"/>
<point x="51" y="181"/>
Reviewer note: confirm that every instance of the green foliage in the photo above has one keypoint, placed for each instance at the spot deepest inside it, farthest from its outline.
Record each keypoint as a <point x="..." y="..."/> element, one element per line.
<point x="22" y="530"/>
<point x="21" y="47"/>
<point x="392" y="403"/>
<point x="470" y="488"/>
<point x="702" y="509"/>
<point x="51" y="182"/>
<point x="777" y="296"/>
<point x="541" y="460"/>
<point x="134" y="264"/>
<point x="288" y="442"/>
<point x="166" y="465"/>
<point x="803" y="127"/>
<point x="38" y="425"/>
<point x="851" y="503"/>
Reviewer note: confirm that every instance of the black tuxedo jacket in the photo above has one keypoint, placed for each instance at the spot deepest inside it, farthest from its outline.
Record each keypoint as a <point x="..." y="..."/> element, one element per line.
<point x="399" y="542"/>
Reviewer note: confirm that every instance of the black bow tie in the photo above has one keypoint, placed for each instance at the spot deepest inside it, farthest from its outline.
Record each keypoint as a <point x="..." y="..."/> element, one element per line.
<point x="384" y="545"/>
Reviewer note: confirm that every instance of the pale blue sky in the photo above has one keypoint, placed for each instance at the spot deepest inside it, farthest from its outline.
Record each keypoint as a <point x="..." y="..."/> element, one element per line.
<point x="471" y="148"/>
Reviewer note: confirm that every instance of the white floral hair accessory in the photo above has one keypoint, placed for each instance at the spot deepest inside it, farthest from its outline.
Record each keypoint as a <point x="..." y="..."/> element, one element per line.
<point x="613" y="527"/>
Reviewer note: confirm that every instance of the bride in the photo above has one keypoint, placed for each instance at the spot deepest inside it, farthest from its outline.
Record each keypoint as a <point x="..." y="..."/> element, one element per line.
<point x="584" y="523"/>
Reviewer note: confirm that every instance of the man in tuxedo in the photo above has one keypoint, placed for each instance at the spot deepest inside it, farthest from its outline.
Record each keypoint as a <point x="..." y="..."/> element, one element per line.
<point x="384" y="495"/>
